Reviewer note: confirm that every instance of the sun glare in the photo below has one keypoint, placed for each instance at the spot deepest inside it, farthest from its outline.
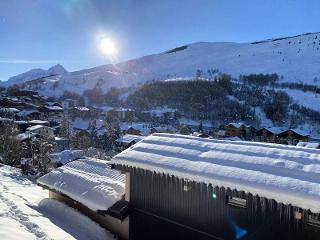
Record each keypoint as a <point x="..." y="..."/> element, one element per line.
<point x="107" y="46"/>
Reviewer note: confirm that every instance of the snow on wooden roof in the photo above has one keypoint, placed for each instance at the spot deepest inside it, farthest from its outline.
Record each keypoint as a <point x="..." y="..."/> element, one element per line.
<point x="274" y="130"/>
<point x="38" y="122"/>
<point x="36" y="127"/>
<point x="128" y="138"/>
<point x="287" y="174"/>
<point x="236" y="125"/>
<point x="89" y="181"/>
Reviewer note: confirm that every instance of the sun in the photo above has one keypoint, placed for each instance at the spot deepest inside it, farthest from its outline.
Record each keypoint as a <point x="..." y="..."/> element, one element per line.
<point x="107" y="46"/>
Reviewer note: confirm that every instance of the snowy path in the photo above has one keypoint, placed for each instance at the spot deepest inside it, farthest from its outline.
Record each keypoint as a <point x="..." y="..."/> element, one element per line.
<point x="27" y="213"/>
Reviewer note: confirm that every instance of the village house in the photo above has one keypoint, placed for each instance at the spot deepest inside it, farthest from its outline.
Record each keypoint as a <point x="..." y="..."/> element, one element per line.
<point x="163" y="129"/>
<point x="51" y="112"/>
<point x="241" y="130"/>
<point x="293" y="136"/>
<point x="184" y="187"/>
<point x="268" y="134"/>
<point x="61" y="144"/>
<point x="135" y="128"/>
<point x="127" y="141"/>
<point x="42" y="131"/>
<point x="29" y="114"/>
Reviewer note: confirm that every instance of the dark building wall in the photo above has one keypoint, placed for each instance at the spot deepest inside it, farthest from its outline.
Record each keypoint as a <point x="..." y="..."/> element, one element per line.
<point x="165" y="205"/>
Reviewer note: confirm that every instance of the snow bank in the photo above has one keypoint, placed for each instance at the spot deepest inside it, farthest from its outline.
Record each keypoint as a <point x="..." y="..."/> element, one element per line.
<point x="88" y="181"/>
<point x="287" y="174"/>
<point x="27" y="213"/>
<point x="80" y="226"/>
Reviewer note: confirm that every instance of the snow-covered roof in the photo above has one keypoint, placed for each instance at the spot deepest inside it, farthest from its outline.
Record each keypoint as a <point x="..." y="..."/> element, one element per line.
<point x="13" y="110"/>
<point x="25" y="136"/>
<point x="83" y="109"/>
<point x="142" y="127"/>
<point x="300" y="132"/>
<point x="88" y="181"/>
<point x="36" y="127"/>
<point x="287" y="174"/>
<point x="66" y="156"/>
<point x="54" y="108"/>
<point x="38" y="122"/>
<point x="26" y="112"/>
<point x="5" y="119"/>
<point x="274" y="130"/>
<point x="128" y="138"/>
<point x="236" y="125"/>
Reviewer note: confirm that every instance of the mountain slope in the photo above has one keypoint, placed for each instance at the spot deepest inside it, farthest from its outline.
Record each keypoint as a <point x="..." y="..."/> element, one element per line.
<point x="35" y="74"/>
<point x="295" y="58"/>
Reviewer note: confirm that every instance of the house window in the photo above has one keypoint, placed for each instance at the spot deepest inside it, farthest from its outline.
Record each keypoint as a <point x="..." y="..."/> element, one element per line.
<point x="236" y="201"/>
<point x="314" y="220"/>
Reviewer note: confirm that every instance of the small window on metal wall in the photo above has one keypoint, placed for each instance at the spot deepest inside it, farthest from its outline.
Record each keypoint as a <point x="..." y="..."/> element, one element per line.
<point x="314" y="220"/>
<point x="237" y="202"/>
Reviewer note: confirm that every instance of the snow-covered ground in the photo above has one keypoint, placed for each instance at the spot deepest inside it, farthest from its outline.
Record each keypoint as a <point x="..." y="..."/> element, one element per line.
<point x="26" y="212"/>
<point x="307" y="99"/>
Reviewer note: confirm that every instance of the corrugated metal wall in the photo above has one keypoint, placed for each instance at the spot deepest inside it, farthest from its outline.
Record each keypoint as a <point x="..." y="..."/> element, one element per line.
<point x="203" y="208"/>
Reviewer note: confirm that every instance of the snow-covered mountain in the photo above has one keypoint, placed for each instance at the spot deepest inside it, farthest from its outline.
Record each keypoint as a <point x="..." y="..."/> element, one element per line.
<point x="35" y="74"/>
<point x="296" y="58"/>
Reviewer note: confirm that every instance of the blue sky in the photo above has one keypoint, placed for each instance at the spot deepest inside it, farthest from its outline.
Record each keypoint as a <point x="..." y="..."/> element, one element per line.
<point x="41" y="33"/>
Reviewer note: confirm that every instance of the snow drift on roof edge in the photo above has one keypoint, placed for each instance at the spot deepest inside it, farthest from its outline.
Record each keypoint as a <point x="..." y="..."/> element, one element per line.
<point x="88" y="181"/>
<point x="287" y="174"/>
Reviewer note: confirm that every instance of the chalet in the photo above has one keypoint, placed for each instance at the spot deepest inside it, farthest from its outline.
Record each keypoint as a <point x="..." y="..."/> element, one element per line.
<point x="268" y="134"/>
<point x="5" y="120"/>
<point x="135" y="128"/>
<point x="92" y="187"/>
<point x="61" y="143"/>
<point x="127" y="141"/>
<point x="82" y="112"/>
<point x="51" y="112"/>
<point x="28" y="114"/>
<point x="11" y="110"/>
<point x="163" y="129"/>
<point x="185" y="187"/>
<point x="241" y="130"/>
<point x="42" y="131"/>
<point x="57" y="159"/>
<point x="293" y="136"/>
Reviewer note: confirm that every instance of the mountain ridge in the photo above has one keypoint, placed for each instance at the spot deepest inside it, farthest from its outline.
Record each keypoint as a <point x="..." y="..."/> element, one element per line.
<point x="295" y="58"/>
